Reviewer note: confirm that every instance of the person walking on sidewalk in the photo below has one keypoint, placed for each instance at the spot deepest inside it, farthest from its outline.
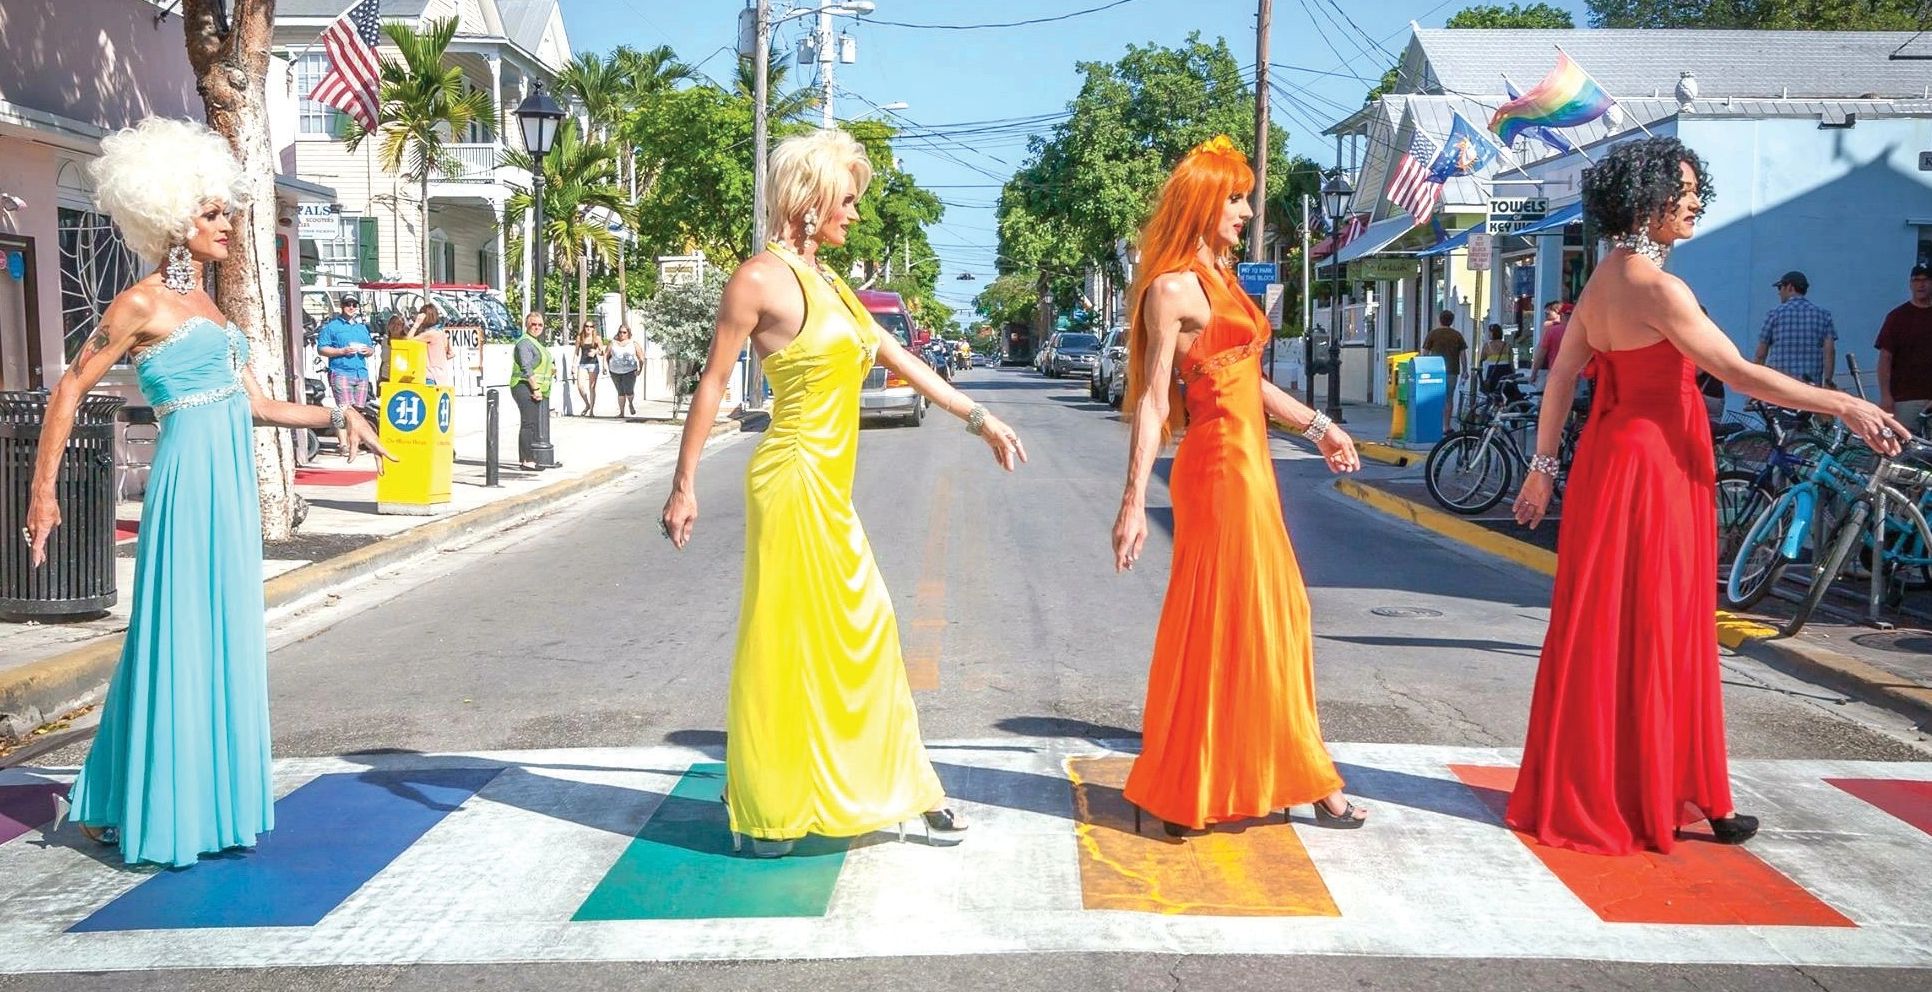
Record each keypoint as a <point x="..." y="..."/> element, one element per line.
<point x="1626" y="725"/>
<point x="590" y="360"/>
<point x="625" y="356"/>
<point x="1230" y="729"/>
<point x="429" y="329"/>
<point x="1551" y="340"/>
<point x="1905" y="353"/>
<point x="531" y="376"/>
<point x="822" y="736"/>
<point x="180" y="765"/>
<point x="345" y="342"/>
<point x="1799" y="338"/>
<point x="1448" y="344"/>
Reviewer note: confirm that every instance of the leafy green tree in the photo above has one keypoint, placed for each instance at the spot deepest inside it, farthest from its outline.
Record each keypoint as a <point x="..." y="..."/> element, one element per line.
<point x="1488" y="15"/>
<point x="1010" y="299"/>
<point x="681" y="318"/>
<point x="1811" y="15"/>
<point x="1089" y="185"/>
<point x="888" y="247"/>
<point x="695" y="181"/>
<point x="423" y="101"/>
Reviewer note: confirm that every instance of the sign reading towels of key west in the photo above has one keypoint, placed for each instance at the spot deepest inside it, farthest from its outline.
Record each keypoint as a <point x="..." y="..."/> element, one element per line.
<point x="1507" y="215"/>
<point x="623" y="854"/>
<point x="416" y="429"/>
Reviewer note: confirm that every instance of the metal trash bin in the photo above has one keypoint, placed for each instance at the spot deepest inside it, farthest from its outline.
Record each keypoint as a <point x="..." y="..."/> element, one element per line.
<point x="78" y="577"/>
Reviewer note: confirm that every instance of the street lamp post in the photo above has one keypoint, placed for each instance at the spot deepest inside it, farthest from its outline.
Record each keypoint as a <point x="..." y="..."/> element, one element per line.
<point x="538" y="117"/>
<point x="1337" y="194"/>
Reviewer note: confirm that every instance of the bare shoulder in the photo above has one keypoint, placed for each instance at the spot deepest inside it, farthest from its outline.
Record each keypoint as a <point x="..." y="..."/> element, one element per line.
<point x="1178" y="294"/>
<point x="136" y="309"/>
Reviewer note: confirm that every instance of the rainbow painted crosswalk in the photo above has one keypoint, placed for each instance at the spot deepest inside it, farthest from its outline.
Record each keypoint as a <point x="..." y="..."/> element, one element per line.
<point x="622" y="854"/>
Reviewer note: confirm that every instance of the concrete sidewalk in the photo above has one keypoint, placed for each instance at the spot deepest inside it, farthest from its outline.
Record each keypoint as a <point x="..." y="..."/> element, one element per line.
<point x="49" y="668"/>
<point x="1888" y="667"/>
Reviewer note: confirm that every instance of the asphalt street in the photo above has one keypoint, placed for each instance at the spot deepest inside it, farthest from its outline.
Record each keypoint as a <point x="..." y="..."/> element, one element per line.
<point x="588" y="630"/>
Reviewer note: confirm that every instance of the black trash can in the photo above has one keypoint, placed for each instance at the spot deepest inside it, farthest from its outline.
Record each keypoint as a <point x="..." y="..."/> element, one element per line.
<point x="78" y="577"/>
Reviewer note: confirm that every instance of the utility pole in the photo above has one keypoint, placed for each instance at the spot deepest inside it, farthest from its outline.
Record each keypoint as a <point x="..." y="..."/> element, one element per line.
<point x="1257" y="228"/>
<point x="828" y="61"/>
<point x="1307" y="306"/>
<point x="760" y="139"/>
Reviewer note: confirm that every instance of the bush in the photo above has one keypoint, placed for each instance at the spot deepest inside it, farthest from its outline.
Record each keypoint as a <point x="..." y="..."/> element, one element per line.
<point x="681" y="319"/>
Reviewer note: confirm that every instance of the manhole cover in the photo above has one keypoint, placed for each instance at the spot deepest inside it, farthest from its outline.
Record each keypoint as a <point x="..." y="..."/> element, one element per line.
<point x="1901" y="641"/>
<point x="1405" y="612"/>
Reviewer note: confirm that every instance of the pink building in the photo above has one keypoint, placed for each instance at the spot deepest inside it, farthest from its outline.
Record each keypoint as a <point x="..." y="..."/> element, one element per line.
<point x="76" y="70"/>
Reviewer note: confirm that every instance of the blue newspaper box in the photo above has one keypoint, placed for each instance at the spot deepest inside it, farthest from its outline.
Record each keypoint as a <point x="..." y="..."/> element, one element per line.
<point x="1427" y="390"/>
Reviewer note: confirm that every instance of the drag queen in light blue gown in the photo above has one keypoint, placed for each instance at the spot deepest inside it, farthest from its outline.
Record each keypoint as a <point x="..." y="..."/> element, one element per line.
<point x="180" y="765"/>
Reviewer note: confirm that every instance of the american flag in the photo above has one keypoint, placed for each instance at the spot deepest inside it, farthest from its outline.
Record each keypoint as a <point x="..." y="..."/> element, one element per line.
<point x="1410" y="186"/>
<point x="354" y="75"/>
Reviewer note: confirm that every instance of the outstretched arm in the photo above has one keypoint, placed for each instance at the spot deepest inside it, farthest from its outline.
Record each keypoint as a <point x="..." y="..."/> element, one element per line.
<point x="268" y="412"/>
<point x="1337" y="448"/>
<point x="1007" y="449"/>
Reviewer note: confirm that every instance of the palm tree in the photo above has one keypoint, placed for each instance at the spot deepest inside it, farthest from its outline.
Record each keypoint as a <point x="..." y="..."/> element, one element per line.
<point x="791" y="106"/>
<point x="644" y="78"/>
<point x="423" y="102"/>
<point x="592" y="82"/>
<point x="580" y="195"/>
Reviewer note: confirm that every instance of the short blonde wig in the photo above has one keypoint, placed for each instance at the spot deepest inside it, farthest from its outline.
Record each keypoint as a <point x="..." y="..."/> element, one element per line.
<point x="154" y="177"/>
<point x="807" y="171"/>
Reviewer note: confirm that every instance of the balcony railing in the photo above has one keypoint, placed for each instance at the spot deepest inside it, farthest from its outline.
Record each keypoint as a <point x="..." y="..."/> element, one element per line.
<point x="478" y="162"/>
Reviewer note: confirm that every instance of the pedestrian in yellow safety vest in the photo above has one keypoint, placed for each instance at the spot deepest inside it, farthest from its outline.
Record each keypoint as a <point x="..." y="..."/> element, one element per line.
<point x="530" y="379"/>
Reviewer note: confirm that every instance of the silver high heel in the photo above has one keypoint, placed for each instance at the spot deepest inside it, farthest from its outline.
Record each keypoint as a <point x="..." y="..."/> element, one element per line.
<point x="104" y="836"/>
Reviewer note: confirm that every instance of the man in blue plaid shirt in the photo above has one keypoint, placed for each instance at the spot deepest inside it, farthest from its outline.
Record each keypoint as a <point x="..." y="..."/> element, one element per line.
<point x="1799" y="338"/>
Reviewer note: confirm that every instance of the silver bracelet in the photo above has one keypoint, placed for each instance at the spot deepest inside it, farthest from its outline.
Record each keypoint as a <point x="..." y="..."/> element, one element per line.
<point x="1546" y="464"/>
<point x="976" y="419"/>
<point x="338" y="418"/>
<point x="1318" y="427"/>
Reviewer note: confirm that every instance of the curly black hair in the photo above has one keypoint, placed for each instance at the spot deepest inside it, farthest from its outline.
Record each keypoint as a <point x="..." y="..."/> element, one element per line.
<point x="1638" y="182"/>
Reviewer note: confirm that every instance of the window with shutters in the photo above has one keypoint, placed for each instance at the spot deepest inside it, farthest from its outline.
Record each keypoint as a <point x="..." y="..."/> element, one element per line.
<point x="449" y="262"/>
<point x="339" y="258"/>
<point x="368" y="250"/>
<point x="314" y="118"/>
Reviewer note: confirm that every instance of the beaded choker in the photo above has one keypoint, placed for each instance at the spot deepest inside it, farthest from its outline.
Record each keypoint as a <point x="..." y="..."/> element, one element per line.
<point x="1641" y="243"/>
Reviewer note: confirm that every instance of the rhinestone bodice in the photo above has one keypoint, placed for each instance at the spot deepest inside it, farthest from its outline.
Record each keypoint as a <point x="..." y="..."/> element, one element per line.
<point x="198" y="364"/>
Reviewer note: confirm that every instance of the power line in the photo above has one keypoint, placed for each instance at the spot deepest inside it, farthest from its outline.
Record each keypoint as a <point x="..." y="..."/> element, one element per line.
<point x="1007" y="24"/>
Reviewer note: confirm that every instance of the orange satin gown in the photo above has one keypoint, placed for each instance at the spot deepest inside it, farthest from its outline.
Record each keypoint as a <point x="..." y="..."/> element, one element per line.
<point x="1230" y="730"/>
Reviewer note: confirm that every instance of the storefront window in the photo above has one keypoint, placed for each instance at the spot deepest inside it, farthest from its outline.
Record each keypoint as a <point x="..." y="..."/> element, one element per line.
<point x="95" y="266"/>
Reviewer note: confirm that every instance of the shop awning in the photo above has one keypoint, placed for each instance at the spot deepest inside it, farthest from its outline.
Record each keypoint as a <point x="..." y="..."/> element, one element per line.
<point x="1379" y="235"/>
<point x="1445" y="246"/>
<point x="1555" y="222"/>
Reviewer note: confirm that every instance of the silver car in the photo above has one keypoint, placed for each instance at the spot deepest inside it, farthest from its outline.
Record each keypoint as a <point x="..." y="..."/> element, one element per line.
<point x="1112" y="363"/>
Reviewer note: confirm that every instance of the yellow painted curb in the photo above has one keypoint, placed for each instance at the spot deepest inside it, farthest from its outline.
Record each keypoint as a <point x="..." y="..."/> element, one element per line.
<point x="1734" y="631"/>
<point x="1387" y="454"/>
<point x="1451" y="526"/>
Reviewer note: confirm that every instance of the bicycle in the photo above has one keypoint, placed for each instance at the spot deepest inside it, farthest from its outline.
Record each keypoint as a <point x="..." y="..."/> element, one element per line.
<point x="1469" y="472"/>
<point x="1881" y="504"/>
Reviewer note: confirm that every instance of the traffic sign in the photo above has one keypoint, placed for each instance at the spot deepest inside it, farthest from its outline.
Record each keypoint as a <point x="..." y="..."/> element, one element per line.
<point x="1479" y="250"/>
<point x="1255" y="276"/>
<point x="1273" y="295"/>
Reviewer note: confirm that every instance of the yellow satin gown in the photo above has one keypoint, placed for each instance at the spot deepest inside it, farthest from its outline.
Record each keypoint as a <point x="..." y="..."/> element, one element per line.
<point x="822" y="735"/>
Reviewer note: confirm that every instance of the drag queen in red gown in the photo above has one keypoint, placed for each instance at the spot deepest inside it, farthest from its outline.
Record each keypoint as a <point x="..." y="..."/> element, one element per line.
<point x="1626" y="730"/>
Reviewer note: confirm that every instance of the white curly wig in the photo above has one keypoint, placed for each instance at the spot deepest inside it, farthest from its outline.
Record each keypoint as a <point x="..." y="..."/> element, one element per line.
<point x="154" y="177"/>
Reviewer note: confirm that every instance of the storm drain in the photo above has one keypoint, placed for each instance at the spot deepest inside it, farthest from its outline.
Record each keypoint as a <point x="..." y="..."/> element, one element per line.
<point x="1917" y="642"/>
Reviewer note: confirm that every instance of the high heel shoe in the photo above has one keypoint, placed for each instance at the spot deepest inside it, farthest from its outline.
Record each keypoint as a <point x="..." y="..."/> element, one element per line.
<point x="104" y="836"/>
<point x="1169" y="828"/>
<point x="1734" y="829"/>
<point x="1345" y="820"/>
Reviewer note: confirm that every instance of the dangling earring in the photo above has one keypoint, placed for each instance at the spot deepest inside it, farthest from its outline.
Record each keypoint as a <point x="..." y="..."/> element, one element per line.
<point x="811" y="229"/>
<point x="180" y="274"/>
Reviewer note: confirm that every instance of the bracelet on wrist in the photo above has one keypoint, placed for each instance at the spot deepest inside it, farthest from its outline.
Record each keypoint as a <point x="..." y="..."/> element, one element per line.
<point x="1317" y="427"/>
<point x="976" y="419"/>
<point x="1546" y="465"/>
<point x="338" y="418"/>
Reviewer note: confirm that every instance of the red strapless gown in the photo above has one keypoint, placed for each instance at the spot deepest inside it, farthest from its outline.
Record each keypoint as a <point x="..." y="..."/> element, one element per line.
<point x="1230" y="730"/>
<point x="1626" y="730"/>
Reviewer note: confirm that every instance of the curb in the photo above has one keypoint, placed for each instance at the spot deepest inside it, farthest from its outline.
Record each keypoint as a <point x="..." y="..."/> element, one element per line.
<point x="39" y="690"/>
<point x="1374" y="451"/>
<point x="1807" y="660"/>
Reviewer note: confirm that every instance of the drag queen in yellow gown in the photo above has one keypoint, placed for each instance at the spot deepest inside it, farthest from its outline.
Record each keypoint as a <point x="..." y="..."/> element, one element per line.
<point x="822" y="737"/>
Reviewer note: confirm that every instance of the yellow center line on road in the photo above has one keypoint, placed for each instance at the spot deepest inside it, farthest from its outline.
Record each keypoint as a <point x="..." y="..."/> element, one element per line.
<point x="927" y="629"/>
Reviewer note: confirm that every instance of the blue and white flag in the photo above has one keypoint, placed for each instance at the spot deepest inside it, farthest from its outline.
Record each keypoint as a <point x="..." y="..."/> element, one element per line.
<point x="1467" y="150"/>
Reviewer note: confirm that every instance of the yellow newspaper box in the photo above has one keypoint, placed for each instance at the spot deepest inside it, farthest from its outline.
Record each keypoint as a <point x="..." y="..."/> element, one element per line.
<point x="416" y="429"/>
<point x="1398" y="402"/>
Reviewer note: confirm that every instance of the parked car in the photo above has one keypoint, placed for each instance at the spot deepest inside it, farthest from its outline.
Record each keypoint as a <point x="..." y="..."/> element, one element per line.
<point x="884" y="393"/>
<point x="1044" y="355"/>
<point x="1117" y="388"/>
<point x="1074" y="353"/>
<point x="1112" y="362"/>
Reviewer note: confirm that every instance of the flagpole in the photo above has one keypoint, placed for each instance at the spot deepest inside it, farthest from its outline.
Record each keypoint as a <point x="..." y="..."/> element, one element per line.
<point x="1511" y="83"/>
<point x="1606" y="91"/>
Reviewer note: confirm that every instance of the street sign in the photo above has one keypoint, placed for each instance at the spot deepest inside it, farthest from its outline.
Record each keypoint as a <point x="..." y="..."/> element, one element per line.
<point x="1273" y="305"/>
<point x="1507" y="215"/>
<point x="317" y="222"/>
<point x="1479" y="247"/>
<point x="1255" y="276"/>
<point x="1378" y="269"/>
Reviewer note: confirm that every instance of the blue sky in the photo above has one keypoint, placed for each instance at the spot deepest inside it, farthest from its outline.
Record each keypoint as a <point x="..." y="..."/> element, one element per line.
<point x="949" y="77"/>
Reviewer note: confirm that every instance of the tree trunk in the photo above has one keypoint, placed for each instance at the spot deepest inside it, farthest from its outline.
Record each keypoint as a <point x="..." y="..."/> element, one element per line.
<point x="425" y="233"/>
<point x="583" y="281"/>
<point x="231" y="74"/>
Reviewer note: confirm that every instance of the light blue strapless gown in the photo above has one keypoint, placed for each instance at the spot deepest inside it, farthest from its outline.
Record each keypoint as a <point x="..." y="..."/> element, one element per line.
<point x="181" y="762"/>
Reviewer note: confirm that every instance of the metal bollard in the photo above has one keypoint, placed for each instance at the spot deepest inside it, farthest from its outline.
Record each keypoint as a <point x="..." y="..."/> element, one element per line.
<point x="490" y="442"/>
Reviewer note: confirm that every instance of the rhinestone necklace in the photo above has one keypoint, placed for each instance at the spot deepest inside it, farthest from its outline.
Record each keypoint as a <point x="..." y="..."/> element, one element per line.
<point x="1641" y="243"/>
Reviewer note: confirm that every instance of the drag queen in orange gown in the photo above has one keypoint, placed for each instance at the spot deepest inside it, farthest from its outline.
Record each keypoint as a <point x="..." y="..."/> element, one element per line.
<point x="1229" y="731"/>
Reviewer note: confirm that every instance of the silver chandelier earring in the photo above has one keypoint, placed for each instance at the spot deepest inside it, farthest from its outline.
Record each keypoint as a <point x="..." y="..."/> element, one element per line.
<point x="811" y="227"/>
<point x="180" y="273"/>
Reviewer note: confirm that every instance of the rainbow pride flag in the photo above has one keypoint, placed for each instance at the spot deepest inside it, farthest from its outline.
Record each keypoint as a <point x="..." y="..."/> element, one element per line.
<point x="1566" y="97"/>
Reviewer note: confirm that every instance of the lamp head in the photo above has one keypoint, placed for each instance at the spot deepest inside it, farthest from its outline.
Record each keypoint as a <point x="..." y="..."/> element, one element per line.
<point x="538" y="117"/>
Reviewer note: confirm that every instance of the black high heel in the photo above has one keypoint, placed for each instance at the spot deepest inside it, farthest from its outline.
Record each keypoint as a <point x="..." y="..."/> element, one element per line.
<point x="1345" y="820"/>
<point x="1171" y="829"/>
<point x="1734" y="829"/>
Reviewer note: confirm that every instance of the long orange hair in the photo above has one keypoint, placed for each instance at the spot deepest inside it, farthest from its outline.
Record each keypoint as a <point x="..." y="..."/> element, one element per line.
<point x="1186" y="216"/>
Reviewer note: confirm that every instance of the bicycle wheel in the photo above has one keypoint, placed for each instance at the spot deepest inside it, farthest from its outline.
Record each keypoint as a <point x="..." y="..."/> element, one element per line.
<point x="1467" y="474"/>
<point x="1760" y="561"/>
<point x="1741" y="499"/>
<point x="1849" y="534"/>
<point x="1746" y="451"/>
